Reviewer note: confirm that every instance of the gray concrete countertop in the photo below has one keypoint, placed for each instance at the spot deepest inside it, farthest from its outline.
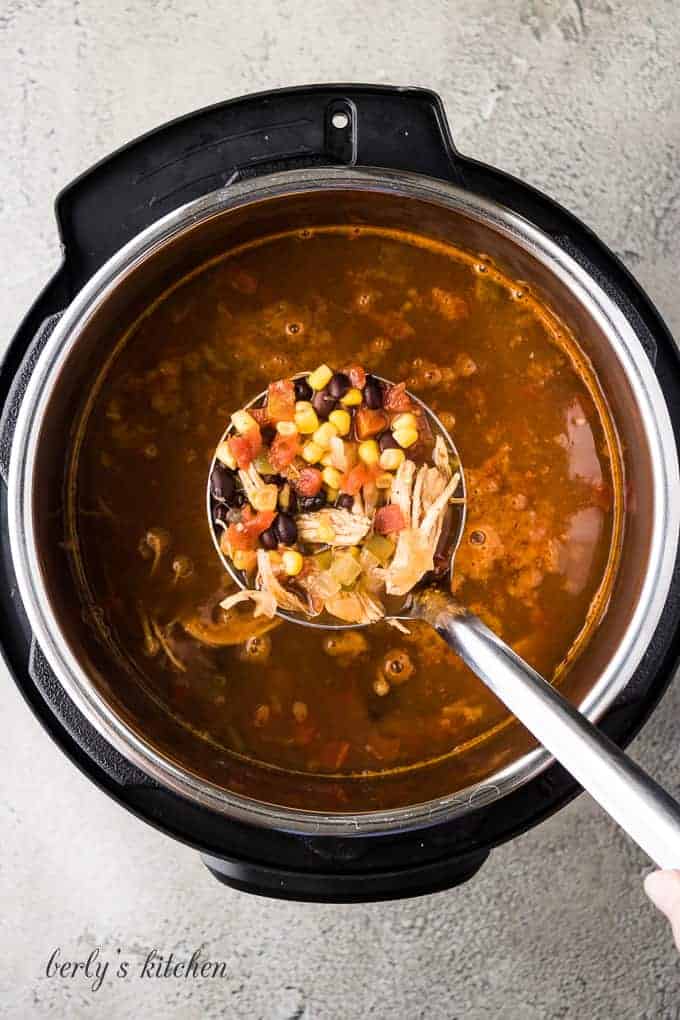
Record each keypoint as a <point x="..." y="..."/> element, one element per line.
<point x="581" y="98"/>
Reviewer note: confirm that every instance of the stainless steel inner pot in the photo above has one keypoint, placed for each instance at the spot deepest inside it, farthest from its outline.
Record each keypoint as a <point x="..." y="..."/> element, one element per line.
<point x="173" y="246"/>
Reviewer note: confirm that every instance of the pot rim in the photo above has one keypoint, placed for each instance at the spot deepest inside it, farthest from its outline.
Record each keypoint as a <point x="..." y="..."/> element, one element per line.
<point x="44" y="624"/>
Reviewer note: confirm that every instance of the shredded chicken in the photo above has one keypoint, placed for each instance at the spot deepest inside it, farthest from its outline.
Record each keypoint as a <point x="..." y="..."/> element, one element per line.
<point x="251" y="480"/>
<point x="370" y="499"/>
<point x="254" y="485"/>
<point x="402" y="488"/>
<point x="237" y="628"/>
<point x="433" y="520"/>
<point x="423" y="500"/>
<point x="338" y="454"/>
<point x="440" y="458"/>
<point x="348" y="527"/>
<point x="265" y="603"/>
<point x="267" y="581"/>
<point x="373" y="572"/>
<point x="163" y="641"/>
<point x="413" y="558"/>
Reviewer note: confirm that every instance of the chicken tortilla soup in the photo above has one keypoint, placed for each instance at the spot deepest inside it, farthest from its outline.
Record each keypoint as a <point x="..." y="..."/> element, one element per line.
<point x="323" y="313"/>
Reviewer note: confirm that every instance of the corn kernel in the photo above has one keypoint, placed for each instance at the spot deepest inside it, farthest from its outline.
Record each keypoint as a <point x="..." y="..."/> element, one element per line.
<point x="327" y="459"/>
<point x="312" y="452"/>
<point x="326" y="533"/>
<point x="306" y="420"/>
<point x="406" y="437"/>
<point x="384" y="481"/>
<point x="369" y="452"/>
<point x="405" y="421"/>
<point x="225" y="456"/>
<point x="243" y="422"/>
<point x="342" y="421"/>
<point x="332" y="494"/>
<point x="391" y="460"/>
<point x="245" y="559"/>
<point x="284" y="497"/>
<point x="352" y="398"/>
<point x="320" y="377"/>
<point x="331" y="477"/>
<point x="323" y="435"/>
<point x="292" y="562"/>
<point x="286" y="428"/>
<point x="265" y="498"/>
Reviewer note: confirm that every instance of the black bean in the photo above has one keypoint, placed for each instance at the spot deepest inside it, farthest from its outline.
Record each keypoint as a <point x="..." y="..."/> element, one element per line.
<point x="286" y="529"/>
<point x="277" y="480"/>
<point x="339" y="385"/>
<point x="344" y="501"/>
<point x="386" y="441"/>
<point x="323" y="403"/>
<point x="303" y="391"/>
<point x="308" y="504"/>
<point x="373" y="393"/>
<point x="222" y="484"/>
<point x="268" y="433"/>
<point x="269" y="538"/>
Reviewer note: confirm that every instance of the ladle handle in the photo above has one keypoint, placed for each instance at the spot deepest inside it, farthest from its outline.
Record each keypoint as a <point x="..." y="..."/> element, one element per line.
<point x="633" y="799"/>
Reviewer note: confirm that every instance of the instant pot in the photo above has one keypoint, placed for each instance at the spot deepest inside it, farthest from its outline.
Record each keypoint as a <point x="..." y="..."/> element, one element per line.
<point x="167" y="202"/>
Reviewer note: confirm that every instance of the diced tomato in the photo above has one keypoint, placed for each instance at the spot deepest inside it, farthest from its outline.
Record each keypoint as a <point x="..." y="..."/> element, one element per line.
<point x="308" y="482"/>
<point x="283" y="451"/>
<point x="369" y="423"/>
<point x="281" y="400"/>
<point x="358" y="476"/>
<point x="357" y="376"/>
<point x="259" y="520"/>
<point x="260" y="414"/>
<point x="246" y="447"/>
<point x="245" y="534"/>
<point x="351" y="482"/>
<point x="397" y="399"/>
<point x="240" y="450"/>
<point x="254" y="439"/>
<point x="389" y="519"/>
<point x="238" y="537"/>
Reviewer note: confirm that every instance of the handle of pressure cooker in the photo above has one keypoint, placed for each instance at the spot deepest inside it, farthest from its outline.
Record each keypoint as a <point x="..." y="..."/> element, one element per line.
<point x="632" y="798"/>
<point x="295" y="128"/>
<point x="10" y="411"/>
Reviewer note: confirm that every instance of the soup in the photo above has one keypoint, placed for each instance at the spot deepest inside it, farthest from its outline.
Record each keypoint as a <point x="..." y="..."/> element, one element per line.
<point x="543" y="482"/>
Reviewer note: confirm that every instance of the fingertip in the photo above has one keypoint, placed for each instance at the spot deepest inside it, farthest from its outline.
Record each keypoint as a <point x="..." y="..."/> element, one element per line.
<point x="663" y="889"/>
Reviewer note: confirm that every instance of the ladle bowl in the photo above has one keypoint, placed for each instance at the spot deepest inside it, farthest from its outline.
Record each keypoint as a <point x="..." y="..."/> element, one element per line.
<point x="454" y="527"/>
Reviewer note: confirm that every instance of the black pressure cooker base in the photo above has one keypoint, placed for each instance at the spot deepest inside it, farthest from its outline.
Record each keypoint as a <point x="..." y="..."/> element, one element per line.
<point x="403" y="129"/>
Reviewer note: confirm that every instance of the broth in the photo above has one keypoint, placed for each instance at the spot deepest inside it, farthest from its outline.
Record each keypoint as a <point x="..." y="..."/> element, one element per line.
<point x="538" y="448"/>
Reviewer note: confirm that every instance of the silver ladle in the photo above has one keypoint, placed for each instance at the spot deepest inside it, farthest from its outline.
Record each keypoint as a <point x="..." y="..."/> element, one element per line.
<point x="627" y="793"/>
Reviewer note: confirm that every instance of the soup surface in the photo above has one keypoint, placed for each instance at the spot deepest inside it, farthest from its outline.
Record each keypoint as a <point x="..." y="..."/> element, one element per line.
<point x="541" y="467"/>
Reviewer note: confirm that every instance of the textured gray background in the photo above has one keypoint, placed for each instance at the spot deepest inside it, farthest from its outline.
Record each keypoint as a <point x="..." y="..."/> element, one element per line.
<point x="580" y="97"/>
